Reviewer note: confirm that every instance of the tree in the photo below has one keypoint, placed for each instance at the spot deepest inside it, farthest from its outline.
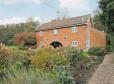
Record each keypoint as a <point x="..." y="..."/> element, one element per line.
<point x="96" y="21"/>
<point x="31" y="24"/>
<point x="107" y="14"/>
<point x="107" y="18"/>
<point x="26" y="38"/>
<point x="7" y="32"/>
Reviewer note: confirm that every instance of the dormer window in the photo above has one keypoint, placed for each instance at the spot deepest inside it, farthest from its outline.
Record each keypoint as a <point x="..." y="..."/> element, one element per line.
<point x="41" y="33"/>
<point x="55" y="31"/>
<point x="74" y="29"/>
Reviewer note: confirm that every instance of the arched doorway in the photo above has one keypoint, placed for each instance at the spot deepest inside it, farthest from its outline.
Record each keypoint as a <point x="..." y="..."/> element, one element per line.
<point x="56" y="44"/>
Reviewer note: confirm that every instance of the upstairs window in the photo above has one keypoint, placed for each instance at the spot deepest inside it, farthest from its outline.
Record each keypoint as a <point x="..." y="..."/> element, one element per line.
<point x="55" y="31"/>
<point x="41" y="33"/>
<point x="74" y="29"/>
<point x="74" y="44"/>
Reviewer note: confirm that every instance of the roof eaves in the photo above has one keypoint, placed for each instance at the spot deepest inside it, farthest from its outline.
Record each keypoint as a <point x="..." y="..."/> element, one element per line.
<point x="59" y="27"/>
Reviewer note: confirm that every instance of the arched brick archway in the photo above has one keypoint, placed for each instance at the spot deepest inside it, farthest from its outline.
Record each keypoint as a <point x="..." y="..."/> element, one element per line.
<point x="56" y="44"/>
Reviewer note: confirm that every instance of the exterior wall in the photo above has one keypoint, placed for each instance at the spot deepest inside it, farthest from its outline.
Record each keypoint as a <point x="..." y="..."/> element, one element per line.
<point x="98" y="38"/>
<point x="86" y="36"/>
<point x="65" y="37"/>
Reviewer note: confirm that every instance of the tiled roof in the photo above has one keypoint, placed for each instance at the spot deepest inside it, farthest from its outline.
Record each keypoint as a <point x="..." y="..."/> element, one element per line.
<point x="65" y="22"/>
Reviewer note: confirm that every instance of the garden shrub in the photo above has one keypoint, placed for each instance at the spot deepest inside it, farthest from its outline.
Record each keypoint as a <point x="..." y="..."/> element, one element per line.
<point x="108" y="48"/>
<point x="5" y="54"/>
<point x="53" y="61"/>
<point x="111" y="40"/>
<point x="74" y="55"/>
<point x="78" y="61"/>
<point x="65" y="75"/>
<point x="98" y="51"/>
<point x="26" y="38"/>
<point x="32" y="76"/>
<point x="47" y="66"/>
<point x="75" y="58"/>
<point x="112" y="44"/>
<point x="21" y="46"/>
<point x="20" y="59"/>
<point x="48" y="58"/>
<point x="84" y="54"/>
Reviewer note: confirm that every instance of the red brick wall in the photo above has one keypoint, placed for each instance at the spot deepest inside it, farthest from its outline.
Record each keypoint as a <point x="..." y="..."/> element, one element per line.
<point x="65" y="36"/>
<point x="98" y="38"/>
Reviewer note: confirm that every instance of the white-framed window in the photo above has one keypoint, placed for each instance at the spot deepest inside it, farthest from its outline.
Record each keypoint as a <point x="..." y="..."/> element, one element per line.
<point x="74" y="43"/>
<point x="55" y="31"/>
<point x="74" y="29"/>
<point x="41" y="33"/>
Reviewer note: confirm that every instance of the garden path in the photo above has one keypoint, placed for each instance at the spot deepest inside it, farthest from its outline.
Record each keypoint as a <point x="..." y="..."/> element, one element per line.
<point x="105" y="72"/>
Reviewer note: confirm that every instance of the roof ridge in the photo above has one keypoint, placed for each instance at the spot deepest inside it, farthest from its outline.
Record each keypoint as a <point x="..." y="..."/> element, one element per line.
<point x="66" y="21"/>
<point x="82" y="15"/>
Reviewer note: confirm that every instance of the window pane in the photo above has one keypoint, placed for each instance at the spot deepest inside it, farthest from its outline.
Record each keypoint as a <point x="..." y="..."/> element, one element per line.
<point x="55" y="31"/>
<point x="74" y="29"/>
<point x="74" y="43"/>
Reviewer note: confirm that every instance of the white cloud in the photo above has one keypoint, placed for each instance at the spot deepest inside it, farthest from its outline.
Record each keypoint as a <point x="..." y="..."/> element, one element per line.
<point x="75" y="4"/>
<point x="16" y="20"/>
<point x="7" y="2"/>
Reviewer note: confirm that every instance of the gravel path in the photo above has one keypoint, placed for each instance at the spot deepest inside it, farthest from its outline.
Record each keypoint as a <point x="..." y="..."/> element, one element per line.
<point x="109" y="59"/>
<point x="105" y="72"/>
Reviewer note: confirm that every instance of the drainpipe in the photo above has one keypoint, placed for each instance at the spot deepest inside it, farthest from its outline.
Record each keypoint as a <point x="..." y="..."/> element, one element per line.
<point x="88" y="41"/>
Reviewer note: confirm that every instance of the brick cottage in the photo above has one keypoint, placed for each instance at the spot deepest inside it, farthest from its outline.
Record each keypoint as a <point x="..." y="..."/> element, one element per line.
<point x="76" y="32"/>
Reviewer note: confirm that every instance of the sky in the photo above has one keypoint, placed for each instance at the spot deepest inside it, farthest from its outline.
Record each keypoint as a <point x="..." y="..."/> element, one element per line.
<point x="17" y="11"/>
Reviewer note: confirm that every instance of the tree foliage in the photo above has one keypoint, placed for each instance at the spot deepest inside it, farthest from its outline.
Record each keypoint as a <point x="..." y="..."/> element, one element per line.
<point x="107" y="19"/>
<point x="7" y="32"/>
<point x="26" y="38"/>
<point x="107" y="14"/>
<point x="97" y="23"/>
